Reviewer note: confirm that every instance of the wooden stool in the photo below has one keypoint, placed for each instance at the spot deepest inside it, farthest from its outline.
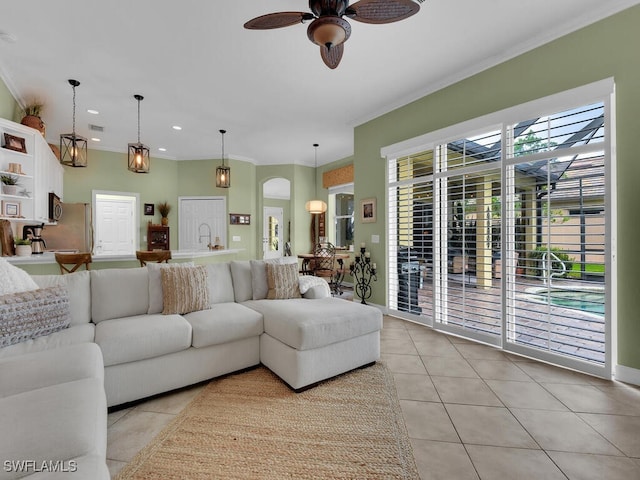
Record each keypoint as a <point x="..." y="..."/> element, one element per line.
<point x="75" y="259"/>
<point x="153" y="256"/>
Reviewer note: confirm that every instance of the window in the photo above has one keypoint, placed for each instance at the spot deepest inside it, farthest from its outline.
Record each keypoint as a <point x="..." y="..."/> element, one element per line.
<point x="498" y="229"/>
<point x="341" y="208"/>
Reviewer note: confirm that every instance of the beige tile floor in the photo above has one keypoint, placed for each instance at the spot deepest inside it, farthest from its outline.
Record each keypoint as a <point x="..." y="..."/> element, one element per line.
<point x="472" y="412"/>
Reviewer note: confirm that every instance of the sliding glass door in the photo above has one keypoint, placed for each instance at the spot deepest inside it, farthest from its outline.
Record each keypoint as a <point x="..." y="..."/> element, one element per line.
<point x="500" y="235"/>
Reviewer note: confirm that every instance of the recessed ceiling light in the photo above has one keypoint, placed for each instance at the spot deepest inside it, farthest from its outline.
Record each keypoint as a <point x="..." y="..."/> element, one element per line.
<point x="95" y="139"/>
<point x="177" y="127"/>
<point x="93" y="112"/>
<point x="162" y="149"/>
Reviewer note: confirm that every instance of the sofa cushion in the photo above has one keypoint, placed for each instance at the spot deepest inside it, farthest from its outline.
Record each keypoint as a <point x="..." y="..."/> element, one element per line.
<point x="282" y="281"/>
<point x="241" y="275"/>
<point x="14" y="279"/>
<point x="79" y="290"/>
<point x="306" y="324"/>
<point x="155" y="283"/>
<point x="184" y="290"/>
<point x="119" y="292"/>
<point x="259" y="274"/>
<point x="224" y="322"/>
<point x="220" y="283"/>
<point x="59" y="422"/>
<point x="68" y="336"/>
<point x="134" y="338"/>
<point x="43" y="369"/>
<point x="34" y="313"/>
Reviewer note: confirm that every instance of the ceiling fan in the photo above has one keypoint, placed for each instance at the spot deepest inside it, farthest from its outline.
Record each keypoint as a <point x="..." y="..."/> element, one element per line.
<point x="329" y="29"/>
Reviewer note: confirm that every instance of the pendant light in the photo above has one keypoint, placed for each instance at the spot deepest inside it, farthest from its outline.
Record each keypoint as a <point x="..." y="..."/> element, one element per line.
<point x="73" y="148"/>
<point x="138" y="158"/>
<point x="316" y="206"/>
<point x="223" y="173"/>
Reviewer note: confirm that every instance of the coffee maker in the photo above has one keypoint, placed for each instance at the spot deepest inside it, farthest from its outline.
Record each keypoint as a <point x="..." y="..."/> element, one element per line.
<point x="34" y="233"/>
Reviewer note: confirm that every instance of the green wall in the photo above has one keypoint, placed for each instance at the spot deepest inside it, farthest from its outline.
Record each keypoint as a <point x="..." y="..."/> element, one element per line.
<point x="605" y="49"/>
<point x="8" y="104"/>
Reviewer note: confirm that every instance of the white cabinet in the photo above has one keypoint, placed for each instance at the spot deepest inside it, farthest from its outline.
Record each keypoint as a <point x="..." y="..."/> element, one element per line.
<point x="25" y="155"/>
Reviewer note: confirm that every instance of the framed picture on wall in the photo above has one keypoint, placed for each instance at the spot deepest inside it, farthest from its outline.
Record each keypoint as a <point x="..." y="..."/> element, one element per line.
<point x="368" y="210"/>
<point x="239" y="219"/>
<point x="149" y="209"/>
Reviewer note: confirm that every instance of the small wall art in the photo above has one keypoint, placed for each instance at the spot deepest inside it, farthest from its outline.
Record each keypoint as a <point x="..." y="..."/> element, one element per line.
<point x="149" y="209"/>
<point x="368" y="210"/>
<point x="239" y="219"/>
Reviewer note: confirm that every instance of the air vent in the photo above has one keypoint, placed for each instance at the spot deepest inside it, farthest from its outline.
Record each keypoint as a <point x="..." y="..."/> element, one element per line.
<point x="96" y="128"/>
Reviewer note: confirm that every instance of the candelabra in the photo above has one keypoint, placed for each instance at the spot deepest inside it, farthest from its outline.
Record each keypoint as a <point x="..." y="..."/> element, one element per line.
<point x="363" y="272"/>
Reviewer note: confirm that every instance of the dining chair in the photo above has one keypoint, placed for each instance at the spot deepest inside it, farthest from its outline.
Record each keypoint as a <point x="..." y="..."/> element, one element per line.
<point x="324" y="258"/>
<point x="158" y="256"/>
<point x="70" y="262"/>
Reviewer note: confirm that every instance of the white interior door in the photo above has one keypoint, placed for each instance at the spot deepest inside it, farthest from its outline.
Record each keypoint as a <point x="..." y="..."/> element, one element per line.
<point x="115" y="224"/>
<point x="272" y="232"/>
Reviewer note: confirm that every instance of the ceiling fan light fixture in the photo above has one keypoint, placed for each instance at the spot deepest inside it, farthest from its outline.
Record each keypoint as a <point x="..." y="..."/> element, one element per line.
<point x="329" y="31"/>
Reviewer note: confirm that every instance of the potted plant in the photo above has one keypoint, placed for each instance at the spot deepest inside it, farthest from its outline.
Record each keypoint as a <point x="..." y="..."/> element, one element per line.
<point x="31" y="116"/>
<point x="164" y="208"/>
<point x="9" y="184"/>
<point x="23" y="247"/>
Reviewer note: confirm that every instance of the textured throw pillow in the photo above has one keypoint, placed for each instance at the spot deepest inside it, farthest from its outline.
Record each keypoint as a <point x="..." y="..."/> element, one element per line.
<point x="184" y="290"/>
<point x="282" y="281"/>
<point x="155" y="283"/>
<point x="259" y="274"/>
<point x="31" y="314"/>
<point x="14" y="279"/>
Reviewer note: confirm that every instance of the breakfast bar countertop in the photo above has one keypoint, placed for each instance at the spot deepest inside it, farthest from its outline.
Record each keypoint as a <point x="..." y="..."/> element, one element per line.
<point x="49" y="257"/>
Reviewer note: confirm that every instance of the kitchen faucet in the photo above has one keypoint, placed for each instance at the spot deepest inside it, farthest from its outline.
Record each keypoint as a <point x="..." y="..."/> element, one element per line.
<point x="206" y="235"/>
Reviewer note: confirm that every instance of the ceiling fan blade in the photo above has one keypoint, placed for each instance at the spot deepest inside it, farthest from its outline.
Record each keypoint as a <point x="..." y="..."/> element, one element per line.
<point x="382" y="11"/>
<point x="277" y="20"/>
<point x="332" y="56"/>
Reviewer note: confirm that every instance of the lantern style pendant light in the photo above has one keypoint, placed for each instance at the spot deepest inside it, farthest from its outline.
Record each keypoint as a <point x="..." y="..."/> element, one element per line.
<point x="138" y="158"/>
<point x="73" y="148"/>
<point x="316" y="206"/>
<point x="223" y="173"/>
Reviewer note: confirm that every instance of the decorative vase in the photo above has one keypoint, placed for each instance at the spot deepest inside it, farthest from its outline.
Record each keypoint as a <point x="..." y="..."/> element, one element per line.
<point x="23" y="250"/>
<point x="10" y="189"/>
<point x="34" y="122"/>
<point x="164" y="221"/>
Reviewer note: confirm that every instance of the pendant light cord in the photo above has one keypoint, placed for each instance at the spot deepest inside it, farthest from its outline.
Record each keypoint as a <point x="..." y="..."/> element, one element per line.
<point x="223" y="132"/>
<point x="315" y="146"/>
<point x="74" y="111"/>
<point x="138" y="120"/>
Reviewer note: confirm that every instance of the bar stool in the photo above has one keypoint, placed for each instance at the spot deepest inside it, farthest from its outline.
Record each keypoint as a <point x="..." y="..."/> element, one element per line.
<point x="74" y="259"/>
<point x="153" y="256"/>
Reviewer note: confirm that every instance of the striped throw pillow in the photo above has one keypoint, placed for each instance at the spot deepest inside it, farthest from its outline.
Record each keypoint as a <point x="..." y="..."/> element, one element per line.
<point x="184" y="290"/>
<point x="282" y="281"/>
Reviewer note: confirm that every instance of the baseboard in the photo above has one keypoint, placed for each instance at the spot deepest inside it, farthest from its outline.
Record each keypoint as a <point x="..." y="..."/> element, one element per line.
<point x="627" y="375"/>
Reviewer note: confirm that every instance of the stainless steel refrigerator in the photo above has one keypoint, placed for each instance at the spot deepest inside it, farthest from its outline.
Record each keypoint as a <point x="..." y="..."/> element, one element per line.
<point x="74" y="230"/>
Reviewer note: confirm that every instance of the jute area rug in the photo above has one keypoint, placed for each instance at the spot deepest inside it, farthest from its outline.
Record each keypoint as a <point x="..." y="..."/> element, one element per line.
<point x="252" y="426"/>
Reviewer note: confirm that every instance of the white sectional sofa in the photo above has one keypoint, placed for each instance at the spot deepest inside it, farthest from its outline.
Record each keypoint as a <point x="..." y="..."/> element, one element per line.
<point x="145" y="352"/>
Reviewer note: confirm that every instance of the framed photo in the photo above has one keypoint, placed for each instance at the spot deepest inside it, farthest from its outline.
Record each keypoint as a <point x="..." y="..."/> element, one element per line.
<point x="149" y="209"/>
<point x="10" y="209"/>
<point x="368" y="210"/>
<point x="239" y="219"/>
<point x="12" y="142"/>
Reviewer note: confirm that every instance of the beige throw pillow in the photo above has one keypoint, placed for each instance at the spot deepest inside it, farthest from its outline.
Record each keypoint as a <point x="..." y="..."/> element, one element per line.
<point x="184" y="290"/>
<point x="282" y="281"/>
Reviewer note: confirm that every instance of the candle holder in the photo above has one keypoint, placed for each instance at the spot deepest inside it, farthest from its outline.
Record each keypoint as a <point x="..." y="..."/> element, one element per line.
<point x="363" y="272"/>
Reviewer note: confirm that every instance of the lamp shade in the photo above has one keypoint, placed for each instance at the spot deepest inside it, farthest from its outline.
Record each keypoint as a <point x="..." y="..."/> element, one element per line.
<point x="316" y="206"/>
<point x="73" y="150"/>
<point x="223" y="176"/>
<point x="329" y="31"/>
<point x="138" y="160"/>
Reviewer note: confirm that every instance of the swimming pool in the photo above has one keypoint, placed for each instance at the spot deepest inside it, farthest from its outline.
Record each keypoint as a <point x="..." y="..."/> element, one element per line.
<point x="580" y="298"/>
